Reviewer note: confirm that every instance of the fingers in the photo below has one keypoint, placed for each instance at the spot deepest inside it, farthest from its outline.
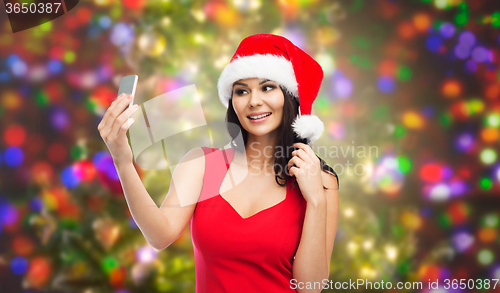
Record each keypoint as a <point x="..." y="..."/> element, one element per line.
<point x="114" y="110"/>
<point x="125" y="126"/>
<point x="295" y="161"/>
<point x="305" y="147"/>
<point x="305" y="152"/>
<point x="121" y="119"/>
<point x="301" y="154"/>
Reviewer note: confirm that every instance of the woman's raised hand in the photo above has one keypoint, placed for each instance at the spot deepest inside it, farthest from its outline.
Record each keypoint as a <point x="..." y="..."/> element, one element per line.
<point x="113" y="129"/>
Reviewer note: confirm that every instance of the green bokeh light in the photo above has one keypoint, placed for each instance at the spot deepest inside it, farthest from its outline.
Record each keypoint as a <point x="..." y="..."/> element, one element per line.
<point x="404" y="165"/>
<point x="404" y="73"/>
<point x="41" y="98"/>
<point x="485" y="257"/>
<point x="495" y="19"/>
<point x="485" y="183"/>
<point x="69" y="57"/>
<point x="461" y="18"/>
<point x="78" y="152"/>
<point x="109" y="263"/>
<point x="490" y="220"/>
<point x="446" y="119"/>
<point x="488" y="156"/>
<point x="399" y="131"/>
<point x="444" y="220"/>
<point x="493" y="120"/>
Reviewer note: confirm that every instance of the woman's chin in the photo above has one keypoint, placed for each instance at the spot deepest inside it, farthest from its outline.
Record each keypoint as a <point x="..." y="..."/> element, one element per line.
<point x="260" y="132"/>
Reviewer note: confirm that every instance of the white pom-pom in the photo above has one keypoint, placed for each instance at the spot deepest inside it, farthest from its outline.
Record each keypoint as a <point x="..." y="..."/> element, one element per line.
<point x="308" y="126"/>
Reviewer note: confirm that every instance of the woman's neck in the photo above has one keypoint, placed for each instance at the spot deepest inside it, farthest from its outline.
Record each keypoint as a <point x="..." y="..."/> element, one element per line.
<point x="260" y="152"/>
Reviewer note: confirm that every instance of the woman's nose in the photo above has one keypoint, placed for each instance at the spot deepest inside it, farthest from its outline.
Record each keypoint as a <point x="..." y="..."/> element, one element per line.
<point x="255" y="99"/>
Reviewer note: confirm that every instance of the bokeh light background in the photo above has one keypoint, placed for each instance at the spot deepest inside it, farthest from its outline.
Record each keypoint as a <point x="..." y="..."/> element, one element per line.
<point x="418" y="80"/>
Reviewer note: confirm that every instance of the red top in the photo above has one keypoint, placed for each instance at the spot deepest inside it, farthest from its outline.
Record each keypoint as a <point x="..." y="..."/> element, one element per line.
<point x="235" y="254"/>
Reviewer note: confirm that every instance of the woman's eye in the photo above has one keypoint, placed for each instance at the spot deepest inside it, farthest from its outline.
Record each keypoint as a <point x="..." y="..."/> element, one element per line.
<point x="239" y="92"/>
<point x="268" y="86"/>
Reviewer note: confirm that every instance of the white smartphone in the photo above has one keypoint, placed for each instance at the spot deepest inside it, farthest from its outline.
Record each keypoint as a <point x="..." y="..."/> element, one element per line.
<point x="128" y="85"/>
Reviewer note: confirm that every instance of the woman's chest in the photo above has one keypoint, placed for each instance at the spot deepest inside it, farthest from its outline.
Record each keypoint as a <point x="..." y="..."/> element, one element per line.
<point x="218" y="231"/>
<point x="252" y="196"/>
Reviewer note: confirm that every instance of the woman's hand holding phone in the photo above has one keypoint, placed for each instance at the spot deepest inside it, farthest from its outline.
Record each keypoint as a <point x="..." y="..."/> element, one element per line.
<point x="113" y="129"/>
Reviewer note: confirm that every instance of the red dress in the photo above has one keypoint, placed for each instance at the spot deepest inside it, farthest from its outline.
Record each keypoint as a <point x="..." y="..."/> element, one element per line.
<point x="235" y="254"/>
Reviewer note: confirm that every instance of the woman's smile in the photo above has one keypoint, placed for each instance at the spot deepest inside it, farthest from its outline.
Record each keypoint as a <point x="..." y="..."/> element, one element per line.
<point x="259" y="117"/>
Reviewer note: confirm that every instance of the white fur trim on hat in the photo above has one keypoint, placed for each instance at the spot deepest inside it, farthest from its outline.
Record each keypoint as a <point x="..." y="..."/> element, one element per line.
<point x="308" y="126"/>
<point x="273" y="67"/>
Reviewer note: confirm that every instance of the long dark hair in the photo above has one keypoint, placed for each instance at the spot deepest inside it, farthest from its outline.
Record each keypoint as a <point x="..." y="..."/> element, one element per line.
<point x="284" y="142"/>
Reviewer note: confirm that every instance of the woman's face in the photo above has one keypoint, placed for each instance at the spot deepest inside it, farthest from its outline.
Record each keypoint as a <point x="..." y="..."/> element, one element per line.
<point x="254" y="97"/>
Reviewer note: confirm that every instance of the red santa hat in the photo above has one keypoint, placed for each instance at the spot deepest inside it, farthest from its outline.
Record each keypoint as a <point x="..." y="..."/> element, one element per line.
<point x="276" y="58"/>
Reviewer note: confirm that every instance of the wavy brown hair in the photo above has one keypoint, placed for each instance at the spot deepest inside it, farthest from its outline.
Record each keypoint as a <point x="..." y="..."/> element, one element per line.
<point x="284" y="142"/>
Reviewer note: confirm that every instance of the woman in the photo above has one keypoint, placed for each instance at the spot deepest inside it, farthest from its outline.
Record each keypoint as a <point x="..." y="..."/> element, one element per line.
<point x="274" y="231"/>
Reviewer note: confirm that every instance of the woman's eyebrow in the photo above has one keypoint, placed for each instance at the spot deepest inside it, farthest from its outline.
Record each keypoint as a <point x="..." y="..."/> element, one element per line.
<point x="243" y="84"/>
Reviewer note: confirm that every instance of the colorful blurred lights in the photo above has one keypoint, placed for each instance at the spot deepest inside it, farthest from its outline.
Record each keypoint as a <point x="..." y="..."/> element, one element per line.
<point x="488" y="156"/>
<point x="471" y="66"/>
<point x="467" y="39"/>
<point x="386" y="84"/>
<point x="19" y="265"/>
<point x="19" y="68"/>
<point x="390" y="163"/>
<point x="8" y="214"/>
<point x="13" y="156"/>
<point x="462" y="52"/>
<point x="59" y="119"/>
<point x="457" y="188"/>
<point x="451" y="88"/>
<point x="447" y="30"/>
<point x="440" y="192"/>
<point x="462" y="241"/>
<point x="431" y="172"/>
<point x="404" y="165"/>
<point x="54" y="66"/>
<point x="493" y="120"/>
<point x="491" y="220"/>
<point x="368" y="244"/>
<point x="413" y="120"/>
<point x="348" y="212"/>
<point x="485" y="183"/>
<point x="121" y="34"/>
<point x="336" y="129"/>
<point x="387" y="175"/>
<point x="15" y="135"/>
<point x="480" y="54"/>
<point x="441" y="4"/>
<point x="146" y="254"/>
<point x="105" y="22"/>
<point x="69" y="177"/>
<point x="391" y="252"/>
<point x="434" y="43"/>
<point x="343" y="87"/>
<point x="485" y="257"/>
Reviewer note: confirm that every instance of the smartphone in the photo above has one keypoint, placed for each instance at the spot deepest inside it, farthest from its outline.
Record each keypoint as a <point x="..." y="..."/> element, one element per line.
<point x="128" y="85"/>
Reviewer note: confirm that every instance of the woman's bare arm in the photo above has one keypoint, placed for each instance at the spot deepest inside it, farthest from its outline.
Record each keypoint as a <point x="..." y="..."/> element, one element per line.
<point x="162" y="226"/>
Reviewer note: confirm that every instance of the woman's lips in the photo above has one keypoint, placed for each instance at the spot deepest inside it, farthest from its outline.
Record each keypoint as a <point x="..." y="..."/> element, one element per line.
<point x="260" y="119"/>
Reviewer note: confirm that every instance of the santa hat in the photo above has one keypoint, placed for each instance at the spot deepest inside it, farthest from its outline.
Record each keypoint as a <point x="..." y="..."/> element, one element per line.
<point x="278" y="59"/>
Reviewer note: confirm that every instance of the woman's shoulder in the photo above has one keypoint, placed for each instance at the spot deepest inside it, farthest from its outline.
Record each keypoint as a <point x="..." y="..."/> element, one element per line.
<point x="194" y="153"/>
<point x="330" y="179"/>
<point x="194" y="159"/>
